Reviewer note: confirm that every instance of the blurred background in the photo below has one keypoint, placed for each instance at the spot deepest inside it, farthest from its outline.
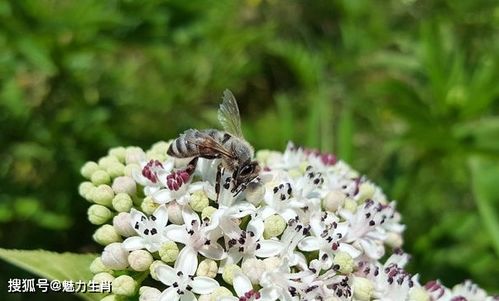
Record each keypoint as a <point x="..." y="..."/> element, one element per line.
<point x="406" y="91"/>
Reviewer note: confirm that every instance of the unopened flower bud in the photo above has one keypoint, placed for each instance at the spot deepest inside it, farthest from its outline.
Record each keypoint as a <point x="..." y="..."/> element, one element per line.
<point x="122" y="202"/>
<point x="366" y="191"/>
<point x="85" y="190"/>
<point x="208" y="268"/>
<point x="418" y="293"/>
<point x="272" y="263"/>
<point x="394" y="240"/>
<point x="175" y="213"/>
<point x="140" y="260"/>
<point x="253" y="268"/>
<point x="118" y="152"/>
<point x="124" y="285"/>
<point x="134" y="155"/>
<point x="208" y="212"/>
<point x="88" y="169"/>
<point x="115" y="257"/>
<point x="111" y="297"/>
<point x="103" y="195"/>
<point x="151" y="155"/>
<point x="362" y="289"/>
<point x="153" y="268"/>
<point x="147" y="293"/>
<point x="344" y="262"/>
<point x="103" y="277"/>
<point x="100" y="177"/>
<point x="122" y="224"/>
<point x="98" y="214"/>
<point x="148" y="206"/>
<point x="350" y="205"/>
<point x="124" y="185"/>
<point x="168" y="252"/>
<point x="274" y="225"/>
<point x="228" y="273"/>
<point x="105" y="235"/>
<point x="199" y="201"/>
<point x="116" y="169"/>
<point x="98" y="267"/>
<point x="160" y="147"/>
<point x="220" y="292"/>
<point x="130" y="169"/>
<point x="107" y="161"/>
<point x="334" y="200"/>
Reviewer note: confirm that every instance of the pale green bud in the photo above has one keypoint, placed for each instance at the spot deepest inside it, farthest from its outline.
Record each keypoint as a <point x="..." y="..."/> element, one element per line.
<point x="105" y="235"/>
<point x="111" y="298"/>
<point x="103" y="277"/>
<point x="362" y="288"/>
<point x="124" y="185"/>
<point x="175" y="213"/>
<point x="208" y="212"/>
<point x="124" y="285"/>
<point x="148" y="205"/>
<point x="152" y="269"/>
<point x="100" y="177"/>
<point x="151" y="155"/>
<point x="122" y="224"/>
<point x="228" y="273"/>
<point x="88" y="169"/>
<point x="107" y="161"/>
<point x="204" y="297"/>
<point x="220" y="292"/>
<point x="130" y="169"/>
<point x="350" y="205"/>
<point x="118" y="152"/>
<point x="122" y="202"/>
<point x="394" y="240"/>
<point x="344" y="261"/>
<point x="98" y="214"/>
<point x="255" y="193"/>
<point x="272" y="263"/>
<point x="85" y="190"/>
<point x="168" y="252"/>
<point x="160" y="147"/>
<point x="115" y="256"/>
<point x="366" y="191"/>
<point x="116" y="169"/>
<point x="97" y="266"/>
<point x="199" y="201"/>
<point x="103" y="195"/>
<point x="147" y="293"/>
<point x="417" y="293"/>
<point x="334" y="200"/>
<point x="134" y="154"/>
<point x="208" y="268"/>
<point x="140" y="260"/>
<point x="274" y="225"/>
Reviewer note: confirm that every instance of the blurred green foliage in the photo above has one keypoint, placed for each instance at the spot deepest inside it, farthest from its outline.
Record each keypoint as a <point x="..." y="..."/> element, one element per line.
<point x="406" y="91"/>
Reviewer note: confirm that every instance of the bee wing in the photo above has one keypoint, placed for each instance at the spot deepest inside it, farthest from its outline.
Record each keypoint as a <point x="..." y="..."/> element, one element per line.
<point x="228" y="115"/>
<point x="208" y="146"/>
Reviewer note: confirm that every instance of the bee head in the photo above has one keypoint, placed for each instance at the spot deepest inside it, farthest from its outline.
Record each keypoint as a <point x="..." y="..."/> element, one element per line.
<point x="246" y="173"/>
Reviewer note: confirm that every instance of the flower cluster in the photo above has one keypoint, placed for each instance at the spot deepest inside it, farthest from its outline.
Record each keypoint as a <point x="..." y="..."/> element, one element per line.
<point x="308" y="228"/>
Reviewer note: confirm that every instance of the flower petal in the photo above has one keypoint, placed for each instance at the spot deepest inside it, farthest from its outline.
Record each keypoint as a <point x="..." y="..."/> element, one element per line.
<point x="187" y="261"/>
<point x="256" y="226"/>
<point x="351" y="250"/>
<point x="242" y="284"/>
<point x="269" y="248"/>
<point x="177" y="233"/>
<point x="166" y="274"/>
<point x="309" y="244"/>
<point x="134" y="243"/>
<point x="204" y="285"/>
<point x="136" y="217"/>
<point x="188" y="296"/>
<point x="213" y="251"/>
<point x="189" y="215"/>
<point x="169" y="294"/>
<point x="162" y="196"/>
<point x="161" y="215"/>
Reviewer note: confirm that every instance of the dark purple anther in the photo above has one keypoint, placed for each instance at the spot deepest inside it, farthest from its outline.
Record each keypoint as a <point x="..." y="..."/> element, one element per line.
<point x="328" y="159"/>
<point x="149" y="171"/>
<point x="176" y="179"/>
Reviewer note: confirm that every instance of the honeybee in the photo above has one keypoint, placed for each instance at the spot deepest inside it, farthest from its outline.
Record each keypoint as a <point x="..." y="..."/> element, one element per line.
<point x="229" y="145"/>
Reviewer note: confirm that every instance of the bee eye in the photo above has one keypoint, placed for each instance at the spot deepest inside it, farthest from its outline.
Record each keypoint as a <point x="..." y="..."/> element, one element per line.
<point x="246" y="170"/>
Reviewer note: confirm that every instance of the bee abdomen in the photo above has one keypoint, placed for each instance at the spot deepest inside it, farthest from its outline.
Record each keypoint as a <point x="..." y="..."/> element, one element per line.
<point x="188" y="144"/>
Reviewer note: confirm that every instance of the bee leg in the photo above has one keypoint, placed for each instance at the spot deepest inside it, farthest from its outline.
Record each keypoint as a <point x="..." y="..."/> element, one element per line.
<point x="219" y="179"/>
<point x="191" y="166"/>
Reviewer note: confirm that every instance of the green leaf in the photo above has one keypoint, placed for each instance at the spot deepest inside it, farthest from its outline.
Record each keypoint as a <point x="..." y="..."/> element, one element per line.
<point x="484" y="174"/>
<point x="52" y="265"/>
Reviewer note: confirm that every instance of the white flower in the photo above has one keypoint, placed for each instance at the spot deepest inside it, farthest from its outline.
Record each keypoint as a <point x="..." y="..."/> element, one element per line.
<point x="245" y="291"/>
<point x="149" y="229"/>
<point x="181" y="281"/>
<point x="196" y="236"/>
<point x="150" y="173"/>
